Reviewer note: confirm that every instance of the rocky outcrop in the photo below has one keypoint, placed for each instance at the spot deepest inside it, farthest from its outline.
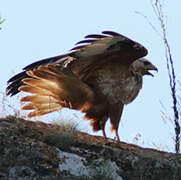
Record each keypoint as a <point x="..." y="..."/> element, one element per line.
<point x="35" y="150"/>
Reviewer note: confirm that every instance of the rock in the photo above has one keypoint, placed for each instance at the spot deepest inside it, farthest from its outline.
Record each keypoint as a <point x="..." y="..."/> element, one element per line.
<point x="35" y="150"/>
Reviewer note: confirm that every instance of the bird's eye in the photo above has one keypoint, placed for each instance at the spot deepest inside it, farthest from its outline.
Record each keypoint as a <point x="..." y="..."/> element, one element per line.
<point x="146" y="63"/>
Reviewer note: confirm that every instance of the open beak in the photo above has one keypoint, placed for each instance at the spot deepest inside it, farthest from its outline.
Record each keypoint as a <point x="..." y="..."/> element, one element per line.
<point x="151" y="68"/>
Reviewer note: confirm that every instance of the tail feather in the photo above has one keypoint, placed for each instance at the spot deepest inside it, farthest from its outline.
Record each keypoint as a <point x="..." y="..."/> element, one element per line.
<point x="98" y="124"/>
<point x="95" y="125"/>
<point x="54" y="89"/>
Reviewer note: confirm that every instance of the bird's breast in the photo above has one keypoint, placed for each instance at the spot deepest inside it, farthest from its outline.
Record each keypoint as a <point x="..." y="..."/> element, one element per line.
<point x="117" y="85"/>
<point x="129" y="89"/>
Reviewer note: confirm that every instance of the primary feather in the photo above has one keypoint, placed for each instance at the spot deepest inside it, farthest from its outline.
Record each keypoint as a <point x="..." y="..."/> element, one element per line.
<point x="98" y="78"/>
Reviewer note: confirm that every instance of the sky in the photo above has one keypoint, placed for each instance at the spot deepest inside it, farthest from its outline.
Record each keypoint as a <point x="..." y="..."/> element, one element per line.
<point x="34" y="30"/>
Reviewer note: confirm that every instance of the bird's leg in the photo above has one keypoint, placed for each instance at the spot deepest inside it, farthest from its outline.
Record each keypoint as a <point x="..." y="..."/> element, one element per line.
<point x="117" y="136"/>
<point x="115" y="112"/>
<point x="104" y="133"/>
<point x="102" y="125"/>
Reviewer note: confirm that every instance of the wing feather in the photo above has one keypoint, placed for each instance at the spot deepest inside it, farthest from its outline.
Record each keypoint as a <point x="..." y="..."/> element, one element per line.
<point x="111" y="33"/>
<point x="113" y="46"/>
<point x="78" y="47"/>
<point x="52" y="89"/>
<point x="97" y="36"/>
<point x="97" y="49"/>
<point x="86" y="41"/>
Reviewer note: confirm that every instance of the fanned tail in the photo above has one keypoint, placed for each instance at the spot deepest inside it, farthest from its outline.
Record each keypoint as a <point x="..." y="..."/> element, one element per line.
<point x="54" y="88"/>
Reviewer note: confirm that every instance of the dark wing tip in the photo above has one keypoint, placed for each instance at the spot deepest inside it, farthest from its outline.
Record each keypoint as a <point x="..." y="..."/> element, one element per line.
<point x="86" y="41"/>
<point x="14" y="83"/>
<point x="124" y="42"/>
<point x="94" y="37"/>
<point x="12" y="88"/>
<point x="44" y="62"/>
<point x="103" y="35"/>
<point x="17" y="76"/>
<point x="97" y="36"/>
<point x="141" y="49"/>
<point x="145" y="52"/>
<point x="78" y="47"/>
<point x="111" y="33"/>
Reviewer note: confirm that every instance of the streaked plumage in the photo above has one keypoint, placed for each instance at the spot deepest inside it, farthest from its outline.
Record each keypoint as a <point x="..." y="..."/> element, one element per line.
<point x="99" y="76"/>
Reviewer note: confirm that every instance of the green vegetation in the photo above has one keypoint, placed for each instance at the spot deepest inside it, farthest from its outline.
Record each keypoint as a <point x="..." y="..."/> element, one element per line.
<point x="1" y="22"/>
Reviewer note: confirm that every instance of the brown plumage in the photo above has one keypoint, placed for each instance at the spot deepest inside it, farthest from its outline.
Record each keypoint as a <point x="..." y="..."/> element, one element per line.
<point x="97" y="77"/>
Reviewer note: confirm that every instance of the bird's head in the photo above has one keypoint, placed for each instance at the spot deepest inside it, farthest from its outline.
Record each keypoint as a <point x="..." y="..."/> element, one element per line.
<point x="143" y="67"/>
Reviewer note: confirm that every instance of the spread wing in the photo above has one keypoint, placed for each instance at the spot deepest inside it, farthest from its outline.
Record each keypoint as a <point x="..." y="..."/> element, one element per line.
<point x="16" y="81"/>
<point x="96" y="50"/>
<point x="109" y="45"/>
<point x="54" y="88"/>
<point x="88" y="55"/>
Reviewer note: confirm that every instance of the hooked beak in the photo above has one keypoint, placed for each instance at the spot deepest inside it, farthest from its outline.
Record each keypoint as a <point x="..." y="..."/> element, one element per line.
<point x="151" y="68"/>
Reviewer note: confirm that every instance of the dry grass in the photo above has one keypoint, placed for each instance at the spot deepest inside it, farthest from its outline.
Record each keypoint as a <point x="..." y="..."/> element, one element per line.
<point x="68" y="127"/>
<point x="9" y="107"/>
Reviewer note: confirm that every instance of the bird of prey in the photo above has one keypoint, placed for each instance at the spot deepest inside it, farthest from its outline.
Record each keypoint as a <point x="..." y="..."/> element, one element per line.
<point x="98" y="76"/>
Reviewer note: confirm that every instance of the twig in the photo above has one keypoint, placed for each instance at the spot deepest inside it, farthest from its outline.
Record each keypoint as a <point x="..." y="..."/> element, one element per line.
<point x="158" y="9"/>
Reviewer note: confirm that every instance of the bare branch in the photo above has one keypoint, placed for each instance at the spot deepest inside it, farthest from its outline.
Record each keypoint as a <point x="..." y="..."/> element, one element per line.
<point x="149" y="22"/>
<point x="158" y="10"/>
